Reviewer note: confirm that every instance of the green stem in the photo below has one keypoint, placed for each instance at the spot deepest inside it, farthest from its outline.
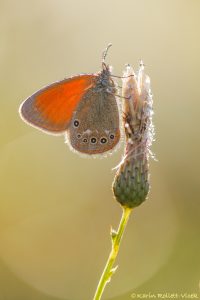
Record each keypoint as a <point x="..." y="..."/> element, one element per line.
<point x="116" y="239"/>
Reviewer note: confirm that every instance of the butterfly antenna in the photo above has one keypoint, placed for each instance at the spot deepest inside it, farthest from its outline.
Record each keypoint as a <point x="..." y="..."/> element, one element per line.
<point x="105" y="52"/>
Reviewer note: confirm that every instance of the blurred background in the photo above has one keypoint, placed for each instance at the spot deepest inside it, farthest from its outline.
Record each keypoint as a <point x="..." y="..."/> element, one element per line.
<point x="56" y="208"/>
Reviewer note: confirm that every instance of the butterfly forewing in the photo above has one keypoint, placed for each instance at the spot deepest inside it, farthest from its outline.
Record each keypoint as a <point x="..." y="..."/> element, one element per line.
<point x="52" y="107"/>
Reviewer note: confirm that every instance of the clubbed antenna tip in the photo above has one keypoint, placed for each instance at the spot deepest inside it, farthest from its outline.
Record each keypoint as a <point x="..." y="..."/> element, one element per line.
<point x="105" y="52"/>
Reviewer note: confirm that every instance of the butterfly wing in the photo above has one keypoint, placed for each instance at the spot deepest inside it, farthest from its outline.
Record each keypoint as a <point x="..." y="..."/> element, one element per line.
<point x="94" y="128"/>
<point x="52" y="107"/>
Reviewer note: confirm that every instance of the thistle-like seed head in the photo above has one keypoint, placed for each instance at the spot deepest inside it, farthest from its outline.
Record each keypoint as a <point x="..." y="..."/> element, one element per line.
<point x="131" y="183"/>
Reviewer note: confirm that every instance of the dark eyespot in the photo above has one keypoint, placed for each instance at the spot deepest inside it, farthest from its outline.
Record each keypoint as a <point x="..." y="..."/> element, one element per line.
<point x="112" y="136"/>
<point x="103" y="140"/>
<point x="85" y="140"/>
<point x="76" y="123"/>
<point x="93" y="140"/>
<point x="78" y="136"/>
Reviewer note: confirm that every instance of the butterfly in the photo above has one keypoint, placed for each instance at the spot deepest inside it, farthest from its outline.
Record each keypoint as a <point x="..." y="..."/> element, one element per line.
<point x="84" y="108"/>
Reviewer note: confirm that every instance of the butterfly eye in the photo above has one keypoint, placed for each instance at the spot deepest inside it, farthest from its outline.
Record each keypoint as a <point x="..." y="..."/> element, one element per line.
<point x="93" y="140"/>
<point x="112" y="136"/>
<point x="85" y="140"/>
<point x="76" y="123"/>
<point x="103" y="140"/>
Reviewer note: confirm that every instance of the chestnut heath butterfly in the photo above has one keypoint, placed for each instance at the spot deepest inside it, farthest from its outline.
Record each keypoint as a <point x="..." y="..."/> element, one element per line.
<point x="84" y="108"/>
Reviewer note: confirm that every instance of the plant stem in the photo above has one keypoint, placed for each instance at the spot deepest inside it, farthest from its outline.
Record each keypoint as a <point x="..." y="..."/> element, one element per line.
<point x="116" y="239"/>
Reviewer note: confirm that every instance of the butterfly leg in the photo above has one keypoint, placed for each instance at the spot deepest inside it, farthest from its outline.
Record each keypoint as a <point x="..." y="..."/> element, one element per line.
<point x="111" y="93"/>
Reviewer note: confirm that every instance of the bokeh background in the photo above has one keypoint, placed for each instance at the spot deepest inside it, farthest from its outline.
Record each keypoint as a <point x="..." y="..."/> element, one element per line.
<point x="56" y="208"/>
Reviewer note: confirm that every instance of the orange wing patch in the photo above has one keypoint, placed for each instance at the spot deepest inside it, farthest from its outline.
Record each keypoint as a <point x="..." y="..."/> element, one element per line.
<point x="51" y="108"/>
<point x="58" y="102"/>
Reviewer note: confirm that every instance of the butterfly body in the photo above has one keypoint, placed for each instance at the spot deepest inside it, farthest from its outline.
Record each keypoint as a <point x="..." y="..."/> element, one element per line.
<point x="83" y="107"/>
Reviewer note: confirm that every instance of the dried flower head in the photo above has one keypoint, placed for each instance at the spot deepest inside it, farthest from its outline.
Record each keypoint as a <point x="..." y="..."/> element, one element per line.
<point x="131" y="183"/>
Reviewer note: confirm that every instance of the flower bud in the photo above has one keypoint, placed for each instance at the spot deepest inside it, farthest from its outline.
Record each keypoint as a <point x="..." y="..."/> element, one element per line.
<point x="131" y="183"/>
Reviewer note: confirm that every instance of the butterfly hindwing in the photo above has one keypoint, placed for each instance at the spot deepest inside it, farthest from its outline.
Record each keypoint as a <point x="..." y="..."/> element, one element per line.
<point x="95" y="124"/>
